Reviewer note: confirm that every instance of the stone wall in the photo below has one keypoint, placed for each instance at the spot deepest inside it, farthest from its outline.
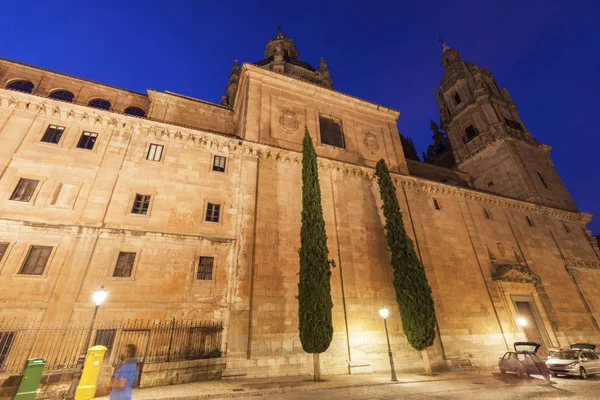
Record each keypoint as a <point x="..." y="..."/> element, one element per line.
<point x="479" y="251"/>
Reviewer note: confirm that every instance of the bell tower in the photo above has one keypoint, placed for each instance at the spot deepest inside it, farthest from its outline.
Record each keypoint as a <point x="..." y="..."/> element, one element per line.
<point x="489" y="140"/>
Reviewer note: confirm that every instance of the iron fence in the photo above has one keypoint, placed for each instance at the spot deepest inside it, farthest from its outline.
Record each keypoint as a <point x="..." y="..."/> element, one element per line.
<point x="156" y="341"/>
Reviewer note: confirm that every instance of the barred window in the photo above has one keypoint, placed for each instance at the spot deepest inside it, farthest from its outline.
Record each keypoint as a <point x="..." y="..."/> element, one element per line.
<point x="219" y="164"/>
<point x="53" y="134"/>
<point x="124" y="265"/>
<point x="331" y="131"/>
<point x="155" y="152"/>
<point x="36" y="260"/>
<point x="24" y="190"/>
<point x="87" y="140"/>
<point x="3" y="247"/>
<point x="63" y="95"/>
<point x="213" y="212"/>
<point x="205" y="268"/>
<point x="6" y="341"/>
<point x="21" y="86"/>
<point x="141" y="204"/>
<point x="106" y="338"/>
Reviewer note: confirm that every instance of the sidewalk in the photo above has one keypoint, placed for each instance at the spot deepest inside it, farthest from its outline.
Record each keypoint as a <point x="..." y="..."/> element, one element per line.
<point x="289" y="384"/>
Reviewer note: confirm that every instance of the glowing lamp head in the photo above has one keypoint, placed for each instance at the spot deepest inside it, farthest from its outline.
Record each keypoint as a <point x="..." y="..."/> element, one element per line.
<point x="384" y="312"/>
<point x="522" y="321"/>
<point x="100" y="295"/>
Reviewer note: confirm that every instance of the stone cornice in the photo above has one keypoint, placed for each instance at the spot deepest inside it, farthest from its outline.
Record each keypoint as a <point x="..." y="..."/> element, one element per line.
<point x="125" y="125"/>
<point x="308" y="89"/>
<point x="107" y="232"/>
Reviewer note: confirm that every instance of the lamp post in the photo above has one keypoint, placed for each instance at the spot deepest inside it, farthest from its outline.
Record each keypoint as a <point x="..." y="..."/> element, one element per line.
<point x="99" y="296"/>
<point x="384" y="312"/>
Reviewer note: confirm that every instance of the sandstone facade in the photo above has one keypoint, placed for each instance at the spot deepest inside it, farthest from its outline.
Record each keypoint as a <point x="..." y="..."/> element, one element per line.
<point x="491" y="253"/>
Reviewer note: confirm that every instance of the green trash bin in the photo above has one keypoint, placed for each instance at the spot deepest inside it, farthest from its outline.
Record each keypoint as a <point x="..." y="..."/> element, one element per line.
<point x="31" y="379"/>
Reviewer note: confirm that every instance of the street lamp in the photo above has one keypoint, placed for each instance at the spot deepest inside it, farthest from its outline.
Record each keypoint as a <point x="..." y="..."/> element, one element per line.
<point x="99" y="296"/>
<point x="384" y="312"/>
<point x="522" y="321"/>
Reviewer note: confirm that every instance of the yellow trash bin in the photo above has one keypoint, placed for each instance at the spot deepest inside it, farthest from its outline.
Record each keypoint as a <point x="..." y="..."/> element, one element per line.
<point x="89" y="377"/>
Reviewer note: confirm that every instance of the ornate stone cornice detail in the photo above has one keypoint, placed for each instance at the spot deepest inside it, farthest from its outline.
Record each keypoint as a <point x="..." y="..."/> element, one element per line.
<point x="575" y="263"/>
<point x="124" y="126"/>
<point x="513" y="273"/>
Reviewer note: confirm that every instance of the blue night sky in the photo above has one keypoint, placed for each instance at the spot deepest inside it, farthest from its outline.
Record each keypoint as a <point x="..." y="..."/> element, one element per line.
<point x="546" y="53"/>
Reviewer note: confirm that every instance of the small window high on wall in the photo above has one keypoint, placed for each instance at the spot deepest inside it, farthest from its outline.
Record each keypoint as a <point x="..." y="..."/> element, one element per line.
<point x="331" y="131"/>
<point x="457" y="99"/>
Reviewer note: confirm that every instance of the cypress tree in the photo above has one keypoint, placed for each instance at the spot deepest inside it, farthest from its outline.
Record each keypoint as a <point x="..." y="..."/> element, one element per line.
<point x="413" y="293"/>
<point x="314" y="288"/>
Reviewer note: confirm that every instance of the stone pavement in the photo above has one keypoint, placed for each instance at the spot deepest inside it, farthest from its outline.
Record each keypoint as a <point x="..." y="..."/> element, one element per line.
<point x="280" y="385"/>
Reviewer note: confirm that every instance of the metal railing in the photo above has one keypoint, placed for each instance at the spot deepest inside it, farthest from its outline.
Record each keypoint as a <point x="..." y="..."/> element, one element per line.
<point x="61" y="344"/>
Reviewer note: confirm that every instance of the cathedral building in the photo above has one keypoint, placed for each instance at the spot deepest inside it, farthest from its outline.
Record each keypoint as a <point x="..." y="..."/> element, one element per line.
<point x="182" y="208"/>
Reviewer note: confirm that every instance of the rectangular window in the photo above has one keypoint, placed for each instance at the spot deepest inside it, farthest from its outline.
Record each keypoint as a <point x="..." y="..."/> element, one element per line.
<point x="542" y="180"/>
<point x="564" y="226"/>
<point x="6" y="341"/>
<point x="205" y="268"/>
<point x="436" y="205"/>
<point x="53" y="134"/>
<point x="124" y="265"/>
<point x="36" y="260"/>
<point x="213" y="212"/>
<point x="3" y="248"/>
<point x="87" y="140"/>
<point x="486" y="214"/>
<point x="141" y="204"/>
<point x="24" y="190"/>
<point x="529" y="221"/>
<point x="219" y="164"/>
<point x="155" y="152"/>
<point x="331" y="131"/>
<point x="106" y="338"/>
<point x="471" y="133"/>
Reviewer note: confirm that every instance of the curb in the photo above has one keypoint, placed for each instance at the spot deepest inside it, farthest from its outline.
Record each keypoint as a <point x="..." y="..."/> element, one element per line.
<point x="283" y="390"/>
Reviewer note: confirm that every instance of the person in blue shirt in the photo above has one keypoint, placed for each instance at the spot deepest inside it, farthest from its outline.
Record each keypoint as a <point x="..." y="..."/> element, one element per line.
<point x="122" y="381"/>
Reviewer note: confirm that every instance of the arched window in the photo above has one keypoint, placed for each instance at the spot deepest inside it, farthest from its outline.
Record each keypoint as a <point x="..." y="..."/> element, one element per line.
<point x="100" y="103"/>
<point x="63" y="95"/>
<point x="331" y="131"/>
<point x="135" y="111"/>
<point x="457" y="98"/>
<point x="21" y="86"/>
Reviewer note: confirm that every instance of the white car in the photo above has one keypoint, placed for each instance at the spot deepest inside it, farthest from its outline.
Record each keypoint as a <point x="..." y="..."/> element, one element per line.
<point x="580" y="360"/>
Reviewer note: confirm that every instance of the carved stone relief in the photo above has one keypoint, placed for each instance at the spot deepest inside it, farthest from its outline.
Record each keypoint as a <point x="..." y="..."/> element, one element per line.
<point x="371" y="142"/>
<point x="288" y="121"/>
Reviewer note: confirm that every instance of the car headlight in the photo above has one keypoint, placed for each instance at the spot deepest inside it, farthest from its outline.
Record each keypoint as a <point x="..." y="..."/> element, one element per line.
<point x="572" y="365"/>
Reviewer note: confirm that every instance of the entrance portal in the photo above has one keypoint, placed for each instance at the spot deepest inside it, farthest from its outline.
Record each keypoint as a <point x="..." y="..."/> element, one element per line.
<point x="533" y="330"/>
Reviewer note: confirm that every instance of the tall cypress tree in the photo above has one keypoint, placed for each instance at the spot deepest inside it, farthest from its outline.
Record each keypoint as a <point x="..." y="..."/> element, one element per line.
<point x="314" y="288"/>
<point x="413" y="293"/>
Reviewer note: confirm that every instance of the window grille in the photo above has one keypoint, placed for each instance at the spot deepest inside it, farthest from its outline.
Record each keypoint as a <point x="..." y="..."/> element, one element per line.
<point x="205" y="268"/>
<point x="141" y="204"/>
